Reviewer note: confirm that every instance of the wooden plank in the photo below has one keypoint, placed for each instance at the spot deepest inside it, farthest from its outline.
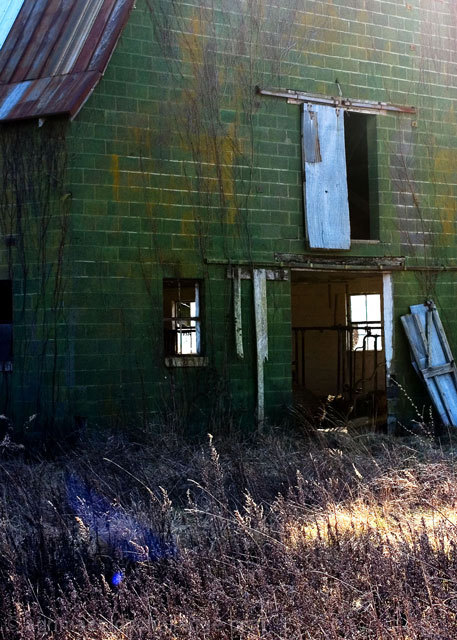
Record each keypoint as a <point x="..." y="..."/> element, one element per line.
<point x="415" y="343"/>
<point x="444" y="342"/>
<point x="446" y="395"/>
<point x="428" y="330"/>
<point x="439" y="370"/>
<point x="310" y="136"/>
<point x="433" y="358"/>
<point x="345" y="262"/>
<point x="423" y="337"/>
<point x="325" y="186"/>
<point x="261" y="331"/>
<point x="237" y="316"/>
<point x="415" y="338"/>
<point x="245" y="273"/>
<point x="388" y="319"/>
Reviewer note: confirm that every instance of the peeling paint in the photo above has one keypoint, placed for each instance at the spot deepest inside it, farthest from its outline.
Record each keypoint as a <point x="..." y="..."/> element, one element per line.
<point x="387" y="296"/>
<point x="237" y="313"/>
<point x="261" y="331"/>
<point x="325" y="186"/>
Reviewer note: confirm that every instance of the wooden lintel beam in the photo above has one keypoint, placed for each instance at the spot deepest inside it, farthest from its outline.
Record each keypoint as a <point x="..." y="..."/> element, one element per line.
<point x="336" y="262"/>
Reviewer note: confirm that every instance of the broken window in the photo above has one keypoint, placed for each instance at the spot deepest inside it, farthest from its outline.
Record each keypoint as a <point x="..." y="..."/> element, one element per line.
<point x="365" y="322"/>
<point x="181" y="315"/>
<point x="336" y="176"/>
<point x="6" y="325"/>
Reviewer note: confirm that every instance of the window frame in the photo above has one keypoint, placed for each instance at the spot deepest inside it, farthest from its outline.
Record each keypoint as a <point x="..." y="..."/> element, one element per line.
<point x="365" y="326"/>
<point x="180" y="325"/>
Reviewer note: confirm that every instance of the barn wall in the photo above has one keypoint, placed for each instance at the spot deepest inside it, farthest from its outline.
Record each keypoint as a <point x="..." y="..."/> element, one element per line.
<point x="178" y="169"/>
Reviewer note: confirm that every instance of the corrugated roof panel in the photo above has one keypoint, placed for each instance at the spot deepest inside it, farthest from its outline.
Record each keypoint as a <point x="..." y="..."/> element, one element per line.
<point x="21" y="34"/>
<point x="12" y="43"/>
<point x="55" y="99"/>
<point x="98" y="30"/>
<point x="13" y="95"/>
<point x="75" y="34"/>
<point x="46" y="96"/>
<point x="44" y="39"/>
<point x="33" y="48"/>
<point x="8" y="14"/>
<point x="110" y="34"/>
<point x="30" y="97"/>
<point x="62" y="47"/>
<point x="83" y="37"/>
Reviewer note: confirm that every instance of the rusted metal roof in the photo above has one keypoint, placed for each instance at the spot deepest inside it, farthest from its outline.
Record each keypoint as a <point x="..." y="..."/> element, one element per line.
<point x="53" y="53"/>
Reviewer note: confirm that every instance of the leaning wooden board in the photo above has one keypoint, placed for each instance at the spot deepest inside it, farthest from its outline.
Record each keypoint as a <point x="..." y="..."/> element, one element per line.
<point x="433" y="359"/>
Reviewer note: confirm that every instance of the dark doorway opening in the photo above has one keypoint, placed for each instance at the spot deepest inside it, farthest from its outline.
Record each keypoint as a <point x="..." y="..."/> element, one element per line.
<point x="338" y="347"/>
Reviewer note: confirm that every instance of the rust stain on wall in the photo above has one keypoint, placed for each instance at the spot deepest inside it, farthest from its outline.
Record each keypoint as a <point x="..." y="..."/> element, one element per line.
<point x="445" y="198"/>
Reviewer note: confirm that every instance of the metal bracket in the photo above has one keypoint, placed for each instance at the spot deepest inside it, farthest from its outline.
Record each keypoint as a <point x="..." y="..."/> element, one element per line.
<point x="361" y="106"/>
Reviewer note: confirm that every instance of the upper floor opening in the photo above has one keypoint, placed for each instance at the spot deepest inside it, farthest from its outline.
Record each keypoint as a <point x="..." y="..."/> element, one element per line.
<point x="340" y="182"/>
<point x="362" y="189"/>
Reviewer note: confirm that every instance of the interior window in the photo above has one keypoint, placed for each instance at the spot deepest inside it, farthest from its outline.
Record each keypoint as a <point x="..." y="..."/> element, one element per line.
<point x="365" y="321"/>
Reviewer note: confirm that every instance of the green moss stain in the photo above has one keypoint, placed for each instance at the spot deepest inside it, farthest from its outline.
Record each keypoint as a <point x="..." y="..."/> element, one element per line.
<point x="191" y="168"/>
<point x="115" y="174"/>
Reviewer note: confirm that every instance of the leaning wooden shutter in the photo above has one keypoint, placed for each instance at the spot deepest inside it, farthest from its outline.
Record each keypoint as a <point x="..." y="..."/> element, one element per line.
<point x="432" y="359"/>
<point x="325" y="181"/>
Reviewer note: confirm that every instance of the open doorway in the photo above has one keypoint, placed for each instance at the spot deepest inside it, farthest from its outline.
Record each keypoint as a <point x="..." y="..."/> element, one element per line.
<point x="339" y="347"/>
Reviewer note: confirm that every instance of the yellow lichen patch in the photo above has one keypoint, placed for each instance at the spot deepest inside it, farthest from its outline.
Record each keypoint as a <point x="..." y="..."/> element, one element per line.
<point x="319" y="30"/>
<point x="321" y="88"/>
<point x="115" y="172"/>
<point x="446" y="208"/>
<point x="210" y="144"/>
<point x="213" y="156"/>
<point x="191" y="42"/>
<point x="449" y="118"/>
<point x="188" y="223"/>
<point x="444" y="161"/>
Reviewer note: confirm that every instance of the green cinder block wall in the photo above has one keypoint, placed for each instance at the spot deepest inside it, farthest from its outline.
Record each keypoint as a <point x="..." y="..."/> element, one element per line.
<point x="178" y="169"/>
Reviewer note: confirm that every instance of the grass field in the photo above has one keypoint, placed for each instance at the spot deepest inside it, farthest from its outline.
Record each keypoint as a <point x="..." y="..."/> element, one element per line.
<point x="275" y="537"/>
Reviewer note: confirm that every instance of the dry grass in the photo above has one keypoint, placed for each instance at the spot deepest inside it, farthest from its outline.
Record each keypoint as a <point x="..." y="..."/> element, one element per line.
<point x="273" y="538"/>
